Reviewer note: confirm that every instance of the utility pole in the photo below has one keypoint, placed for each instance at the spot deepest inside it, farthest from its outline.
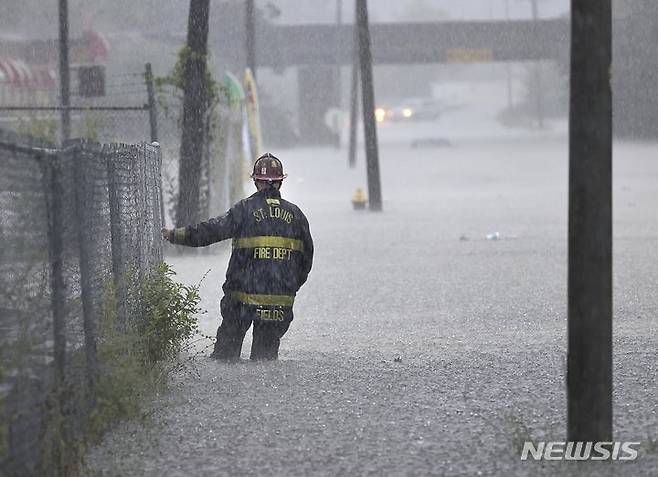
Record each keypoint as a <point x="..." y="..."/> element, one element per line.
<point x="339" y="22"/>
<point x="368" y="101"/>
<point x="250" y="36"/>
<point x="64" y="71"/>
<point x="354" y="97"/>
<point x="539" y="94"/>
<point x="338" y="81"/>
<point x="589" y="367"/>
<point x="195" y="103"/>
<point x="508" y="70"/>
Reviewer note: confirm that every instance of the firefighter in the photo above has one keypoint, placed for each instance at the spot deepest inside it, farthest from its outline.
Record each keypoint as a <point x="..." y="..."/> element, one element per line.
<point x="271" y="259"/>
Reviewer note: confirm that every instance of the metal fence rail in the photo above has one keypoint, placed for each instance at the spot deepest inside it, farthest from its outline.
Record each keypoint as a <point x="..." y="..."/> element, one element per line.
<point x="73" y="221"/>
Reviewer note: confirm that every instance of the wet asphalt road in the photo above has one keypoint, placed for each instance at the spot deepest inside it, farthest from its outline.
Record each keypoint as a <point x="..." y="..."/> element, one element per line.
<point x="479" y="326"/>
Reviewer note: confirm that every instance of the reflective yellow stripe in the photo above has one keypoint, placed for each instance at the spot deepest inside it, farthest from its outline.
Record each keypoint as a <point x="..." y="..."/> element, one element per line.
<point x="262" y="300"/>
<point x="269" y="241"/>
<point x="179" y="234"/>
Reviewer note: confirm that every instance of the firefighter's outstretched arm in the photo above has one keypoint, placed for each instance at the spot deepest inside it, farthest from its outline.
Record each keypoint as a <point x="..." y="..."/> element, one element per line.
<point x="205" y="233"/>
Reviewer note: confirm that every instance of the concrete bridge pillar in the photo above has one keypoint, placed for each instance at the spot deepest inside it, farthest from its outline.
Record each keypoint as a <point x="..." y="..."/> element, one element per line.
<point x="318" y="88"/>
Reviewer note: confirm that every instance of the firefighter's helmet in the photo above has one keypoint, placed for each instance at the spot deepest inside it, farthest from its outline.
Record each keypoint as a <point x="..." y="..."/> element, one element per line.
<point x="268" y="168"/>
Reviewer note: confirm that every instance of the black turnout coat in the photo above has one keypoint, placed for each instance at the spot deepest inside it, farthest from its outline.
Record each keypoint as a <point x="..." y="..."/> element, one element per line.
<point x="272" y="248"/>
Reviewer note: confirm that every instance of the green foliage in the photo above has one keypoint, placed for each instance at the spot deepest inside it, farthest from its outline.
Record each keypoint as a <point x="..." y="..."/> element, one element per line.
<point x="176" y="78"/>
<point x="44" y="128"/>
<point x="135" y="361"/>
<point x="169" y="315"/>
<point x="92" y="125"/>
<point x="170" y="88"/>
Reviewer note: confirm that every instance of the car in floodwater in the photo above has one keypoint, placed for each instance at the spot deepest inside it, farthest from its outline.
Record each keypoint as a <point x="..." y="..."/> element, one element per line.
<point x="416" y="109"/>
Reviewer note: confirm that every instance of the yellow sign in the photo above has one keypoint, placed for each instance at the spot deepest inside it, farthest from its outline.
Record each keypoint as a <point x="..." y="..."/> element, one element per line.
<point x="469" y="55"/>
<point x="253" y="114"/>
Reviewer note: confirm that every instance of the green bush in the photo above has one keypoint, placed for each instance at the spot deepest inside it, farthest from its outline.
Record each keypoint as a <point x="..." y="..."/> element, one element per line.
<point x="169" y="320"/>
<point x="136" y="361"/>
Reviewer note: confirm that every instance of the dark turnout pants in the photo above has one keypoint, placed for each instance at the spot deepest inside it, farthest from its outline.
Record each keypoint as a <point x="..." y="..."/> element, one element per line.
<point x="270" y="324"/>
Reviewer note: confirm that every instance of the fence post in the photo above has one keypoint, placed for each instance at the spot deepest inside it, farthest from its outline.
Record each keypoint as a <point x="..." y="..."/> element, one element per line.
<point x="153" y="120"/>
<point x="138" y="156"/>
<point x="53" y="185"/>
<point x="158" y="207"/>
<point x="82" y="203"/>
<point x="118" y="267"/>
<point x="153" y="112"/>
<point x="64" y="69"/>
<point x="55" y="253"/>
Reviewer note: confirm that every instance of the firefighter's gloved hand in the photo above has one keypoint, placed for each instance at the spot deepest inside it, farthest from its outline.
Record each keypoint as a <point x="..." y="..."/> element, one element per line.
<point x="167" y="234"/>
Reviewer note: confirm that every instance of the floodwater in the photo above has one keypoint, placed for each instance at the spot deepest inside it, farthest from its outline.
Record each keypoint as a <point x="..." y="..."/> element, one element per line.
<point x="478" y="326"/>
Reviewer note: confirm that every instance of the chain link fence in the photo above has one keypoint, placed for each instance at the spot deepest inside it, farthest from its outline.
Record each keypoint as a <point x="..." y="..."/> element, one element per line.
<point x="120" y="113"/>
<point x="223" y="173"/>
<point x="75" y="222"/>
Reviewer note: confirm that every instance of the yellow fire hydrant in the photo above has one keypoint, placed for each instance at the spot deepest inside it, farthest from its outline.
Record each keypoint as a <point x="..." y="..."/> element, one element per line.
<point x="359" y="200"/>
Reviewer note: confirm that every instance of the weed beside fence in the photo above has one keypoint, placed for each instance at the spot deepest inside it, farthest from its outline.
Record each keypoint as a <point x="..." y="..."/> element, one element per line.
<point x="75" y="222"/>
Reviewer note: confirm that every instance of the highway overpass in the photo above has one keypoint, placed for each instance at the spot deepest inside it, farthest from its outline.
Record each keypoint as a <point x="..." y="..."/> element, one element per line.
<point x="415" y="43"/>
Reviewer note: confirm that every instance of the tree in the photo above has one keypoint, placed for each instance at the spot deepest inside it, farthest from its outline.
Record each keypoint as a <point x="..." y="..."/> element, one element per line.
<point x="195" y="104"/>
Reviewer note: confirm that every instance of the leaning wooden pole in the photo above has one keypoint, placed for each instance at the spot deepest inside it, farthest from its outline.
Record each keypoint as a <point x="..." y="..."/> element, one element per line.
<point x="368" y="99"/>
<point x="589" y="372"/>
<point x="354" y="98"/>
